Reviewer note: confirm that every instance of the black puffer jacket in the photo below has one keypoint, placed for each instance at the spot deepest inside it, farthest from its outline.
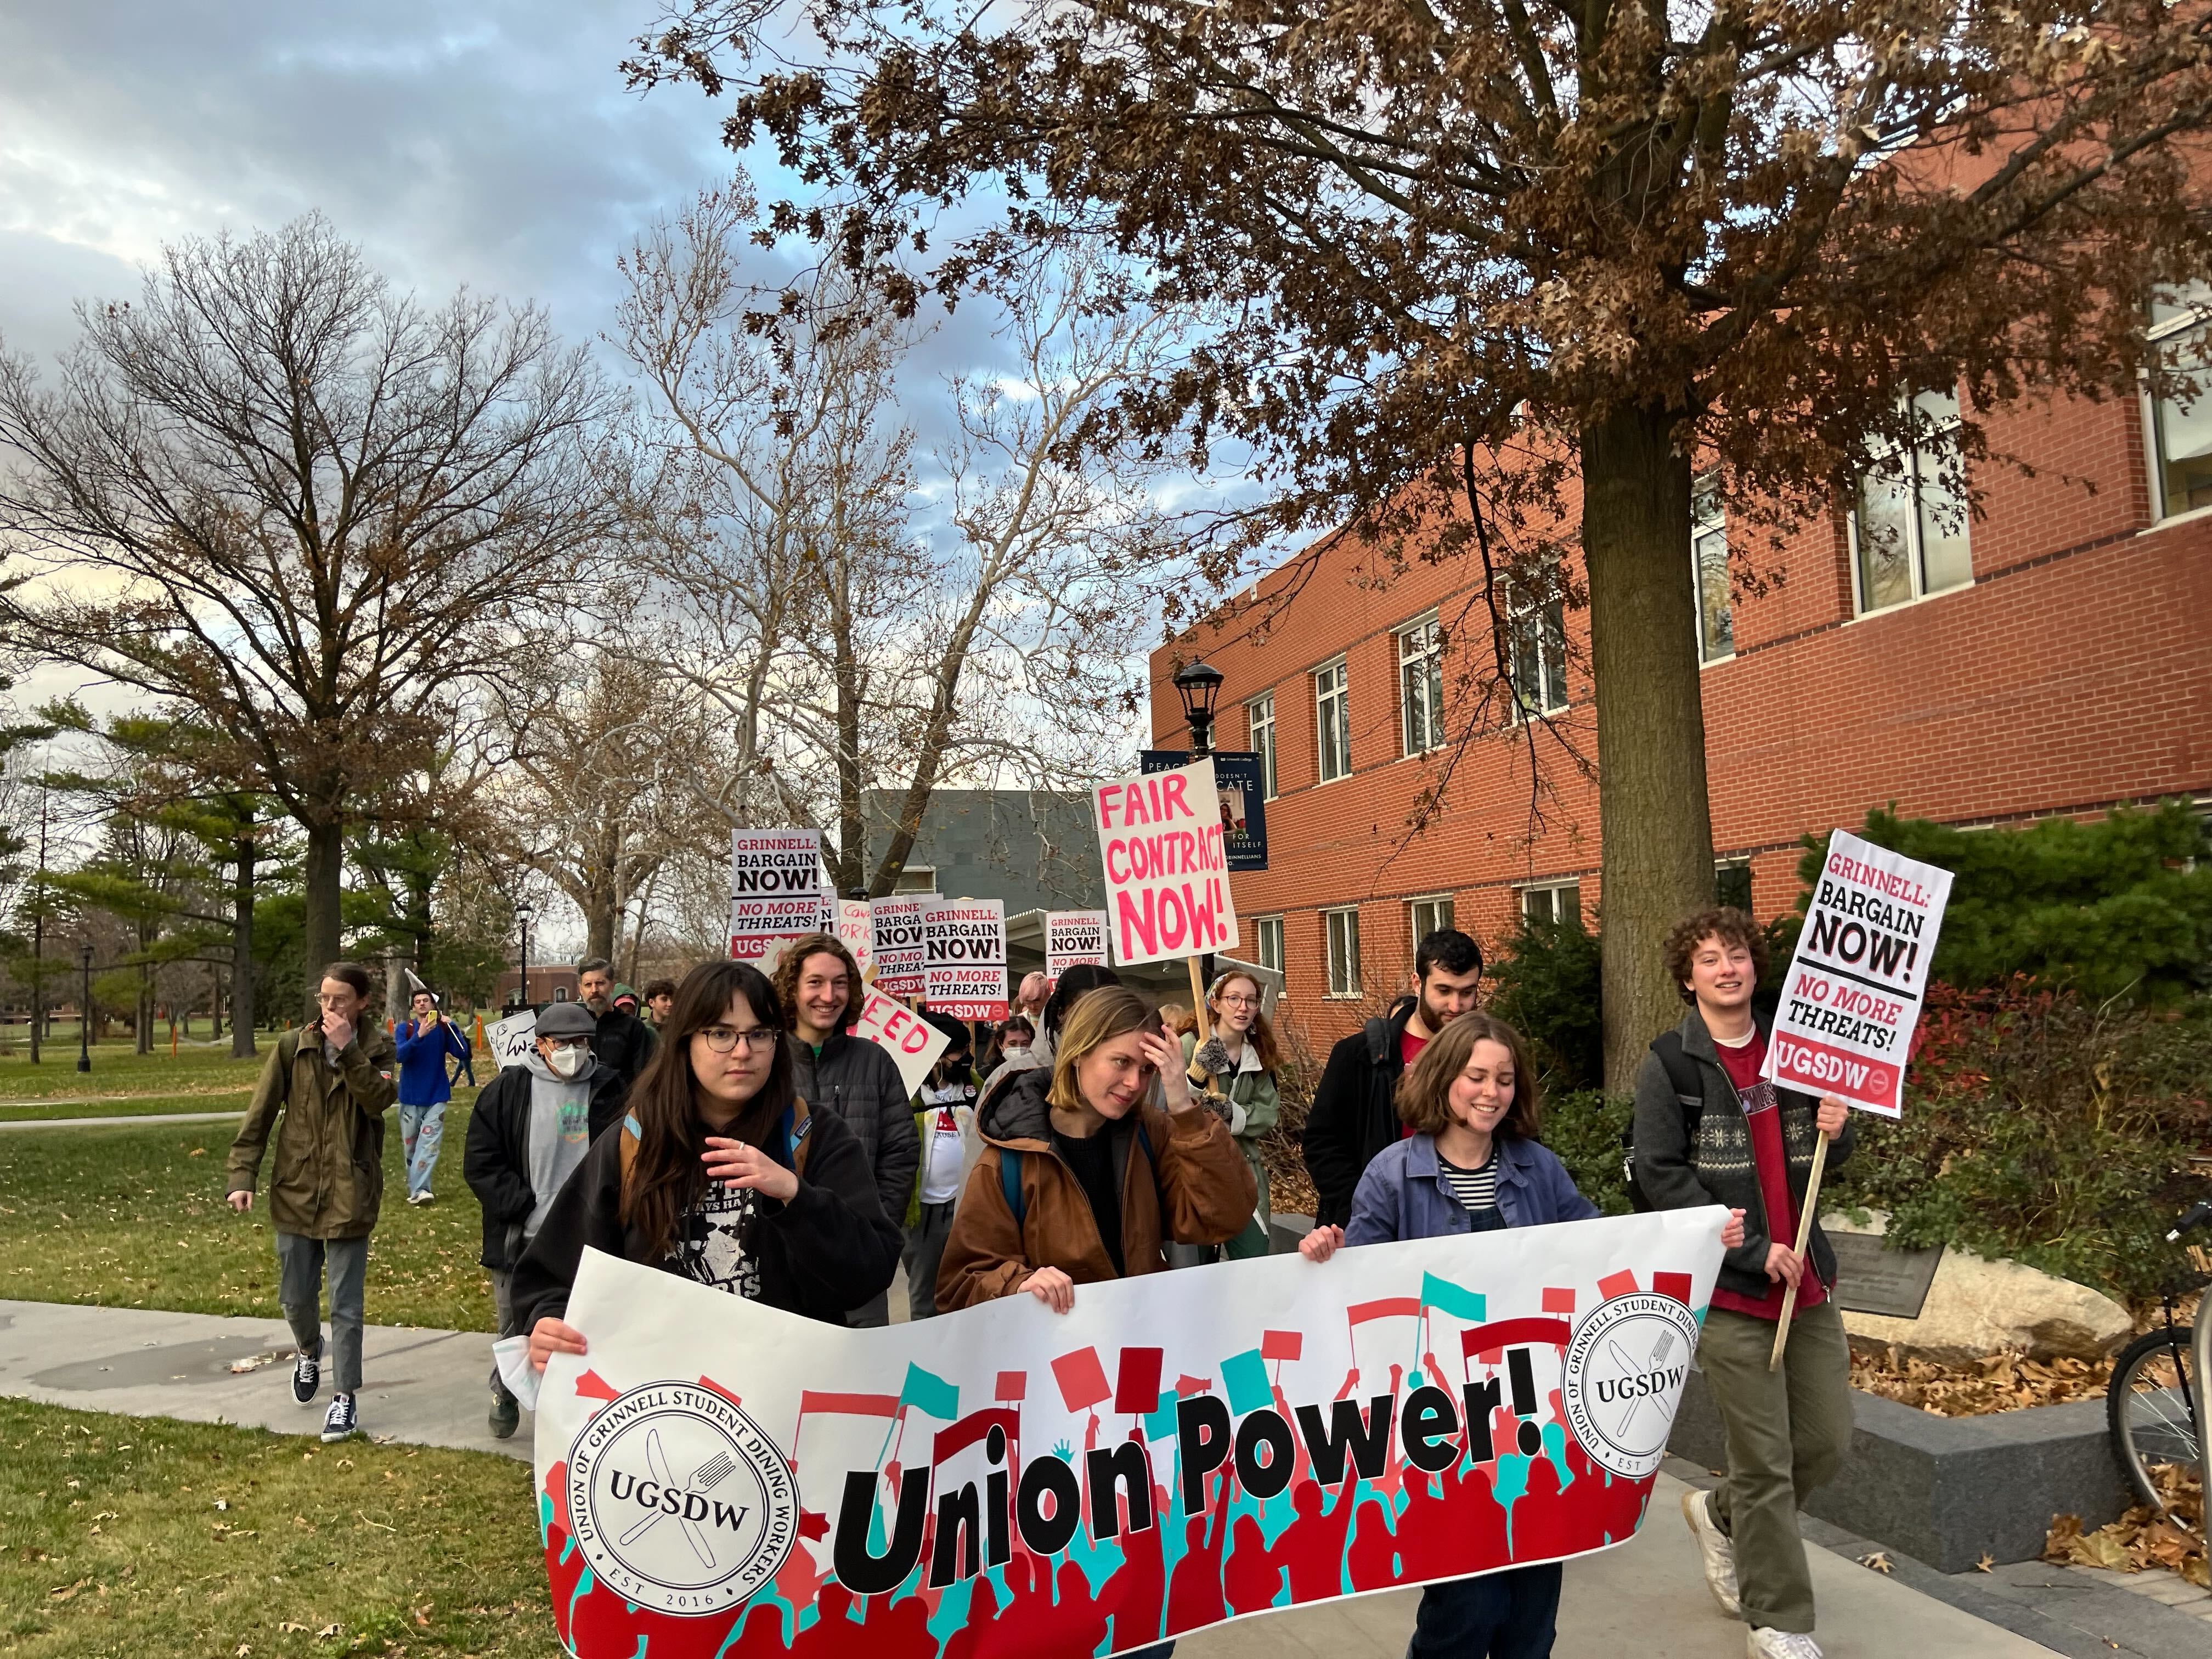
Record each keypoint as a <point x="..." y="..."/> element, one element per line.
<point x="497" y="1160"/>
<point x="1355" y="1112"/>
<point x="623" y="1044"/>
<point x="856" y="1080"/>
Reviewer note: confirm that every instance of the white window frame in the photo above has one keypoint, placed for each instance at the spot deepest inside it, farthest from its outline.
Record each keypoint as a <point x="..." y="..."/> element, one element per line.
<point x="1267" y="944"/>
<point x="1937" y="430"/>
<point x="1545" y="613"/>
<point x="1340" y="928"/>
<point x="2196" y="297"/>
<point x="1420" y="686"/>
<point x="1551" y="890"/>
<point x="1332" y="685"/>
<point x="1439" y="910"/>
<point x="1260" y="733"/>
<point x="1709" y="540"/>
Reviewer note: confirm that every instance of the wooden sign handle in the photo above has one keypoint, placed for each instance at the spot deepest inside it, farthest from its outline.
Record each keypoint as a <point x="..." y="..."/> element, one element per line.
<point x="1199" y="1074"/>
<point x="1812" y="1208"/>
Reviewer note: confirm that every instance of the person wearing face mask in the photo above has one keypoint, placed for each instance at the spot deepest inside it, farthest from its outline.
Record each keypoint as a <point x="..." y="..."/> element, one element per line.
<point x="530" y="1130"/>
<point x="1470" y="1162"/>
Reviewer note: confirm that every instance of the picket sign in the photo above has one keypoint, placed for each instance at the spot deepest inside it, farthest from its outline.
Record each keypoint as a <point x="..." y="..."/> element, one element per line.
<point x="1852" y="998"/>
<point x="965" y="951"/>
<point x="856" y="928"/>
<point x="1072" y="938"/>
<point x="776" y="893"/>
<point x="511" y="1039"/>
<point x="901" y="954"/>
<point x="905" y="1035"/>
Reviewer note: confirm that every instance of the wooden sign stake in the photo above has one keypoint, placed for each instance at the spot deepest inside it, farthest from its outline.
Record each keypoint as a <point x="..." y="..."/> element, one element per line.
<point x="1804" y="1239"/>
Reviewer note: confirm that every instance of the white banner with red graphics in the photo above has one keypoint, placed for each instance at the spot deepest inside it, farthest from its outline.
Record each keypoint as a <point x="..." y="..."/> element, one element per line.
<point x="1167" y="872"/>
<point x="716" y="1478"/>
<point x="902" y="1034"/>
<point x="1859" y="976"/>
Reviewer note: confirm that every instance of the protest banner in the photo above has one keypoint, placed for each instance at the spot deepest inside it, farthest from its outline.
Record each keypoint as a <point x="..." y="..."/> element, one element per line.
<point x="1852" y="996"/>
<point x="719" y="1478"/>
<point x="1238" y="794"/>
<point x="775" y="893"/>
<point x="966" y="941"/>
<point x="510" y="1040"/>
<point x="856" y="927"/>
<point x="1167" y="876"/>
<point x="903" y="1034"/>
<point x="901" y="954"/>
<point x="1070" y="937"/>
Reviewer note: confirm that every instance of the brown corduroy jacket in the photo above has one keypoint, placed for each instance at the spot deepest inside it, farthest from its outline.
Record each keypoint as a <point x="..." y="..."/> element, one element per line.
<point x="1195" y="1191"/>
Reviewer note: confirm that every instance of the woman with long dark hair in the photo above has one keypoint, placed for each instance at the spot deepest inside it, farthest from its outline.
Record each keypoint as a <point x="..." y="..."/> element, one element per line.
<point x="720" y="1174"/>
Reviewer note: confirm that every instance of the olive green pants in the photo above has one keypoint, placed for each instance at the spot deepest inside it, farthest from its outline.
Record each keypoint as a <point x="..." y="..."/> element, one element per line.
<point x="1787" y="1433"/>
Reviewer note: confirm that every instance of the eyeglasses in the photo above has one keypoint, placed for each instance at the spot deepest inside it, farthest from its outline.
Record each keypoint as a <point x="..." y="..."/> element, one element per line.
<point x="584" y="1044"/>
<point x="1240" y="1002"/>
<point x="722" y="1039"/>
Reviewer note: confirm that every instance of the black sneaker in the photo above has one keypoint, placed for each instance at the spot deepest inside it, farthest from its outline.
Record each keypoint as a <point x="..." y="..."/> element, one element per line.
<point x="341" y="1422"/>
<point x="306" y="1377"/>
<point x="506" y="1412"/>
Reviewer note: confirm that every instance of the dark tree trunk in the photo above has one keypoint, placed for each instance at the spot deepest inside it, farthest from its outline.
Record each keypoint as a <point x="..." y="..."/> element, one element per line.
<point x="1654" y="818"/>
<point x="143" y="1025"/>
<point x="851" y="857"/>
<point x="322" y="943"/>
<point x="242" y="1019"/>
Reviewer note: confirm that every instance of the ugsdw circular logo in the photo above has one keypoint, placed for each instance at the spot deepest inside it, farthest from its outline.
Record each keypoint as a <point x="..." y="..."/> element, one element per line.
<point x="1623" y="1373"/>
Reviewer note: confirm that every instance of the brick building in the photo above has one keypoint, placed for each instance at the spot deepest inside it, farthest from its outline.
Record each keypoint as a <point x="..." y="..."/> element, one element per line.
<point x="2051" y="657"/>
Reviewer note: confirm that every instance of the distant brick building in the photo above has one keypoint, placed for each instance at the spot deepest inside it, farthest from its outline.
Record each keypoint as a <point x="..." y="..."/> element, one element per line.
<point x="2054" y="657"/>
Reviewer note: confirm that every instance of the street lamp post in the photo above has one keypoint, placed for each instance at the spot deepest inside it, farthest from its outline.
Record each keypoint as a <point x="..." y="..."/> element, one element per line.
<point x="1198" y="684"/>
<point x="84" y="1018"/>
<point x="522" y="926"/>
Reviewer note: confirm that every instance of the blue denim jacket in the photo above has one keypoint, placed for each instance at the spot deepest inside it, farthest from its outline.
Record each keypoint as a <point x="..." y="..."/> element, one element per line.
<point x="1402" y="1195"/>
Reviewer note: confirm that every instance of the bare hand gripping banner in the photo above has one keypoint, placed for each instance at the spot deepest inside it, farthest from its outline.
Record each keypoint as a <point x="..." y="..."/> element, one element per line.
<point x="718" y="1478"/>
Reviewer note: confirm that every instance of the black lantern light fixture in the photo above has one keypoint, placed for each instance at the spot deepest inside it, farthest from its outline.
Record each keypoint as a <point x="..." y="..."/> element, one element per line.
<point x="1198" y="684"/>
<point x="84" y="1018"/>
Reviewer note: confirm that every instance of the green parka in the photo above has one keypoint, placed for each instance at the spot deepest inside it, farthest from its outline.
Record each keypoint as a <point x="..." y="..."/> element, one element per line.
<point x="328" y="1179"/>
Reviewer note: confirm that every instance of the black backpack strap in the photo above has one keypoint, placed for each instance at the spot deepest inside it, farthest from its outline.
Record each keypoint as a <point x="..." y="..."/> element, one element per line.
<point x="1682" y="1073"/>
<point x="1378" y="1040"/>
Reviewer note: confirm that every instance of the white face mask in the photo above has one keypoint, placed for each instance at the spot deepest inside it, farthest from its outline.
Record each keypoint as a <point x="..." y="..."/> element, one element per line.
<point x="567" y="1062"/>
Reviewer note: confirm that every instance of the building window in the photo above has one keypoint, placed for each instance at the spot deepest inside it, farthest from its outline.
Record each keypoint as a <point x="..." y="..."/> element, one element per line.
<point x="1732" y="882"/>
<point x="1340" y="930"/>
<point x="1268" y="942"/>
<point x="916" y="878"/>
<point x="1538" y="632"/>
<point x="1553" y="903"/>
<point x="1709" y="565"/>
<point x="1260" y="721"/>
<point x="1333" y="721"/>
<point x="1908" y="533"/>
<point x="2180" y="329"/>
<point x="1429" y="915"/>
<point x="1421" y="687"/>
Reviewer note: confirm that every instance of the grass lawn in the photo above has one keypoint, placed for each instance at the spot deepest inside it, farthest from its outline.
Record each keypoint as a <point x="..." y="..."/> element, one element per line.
<point x="123" y="1536"/>
<point x="117" y="1071"/>
<point x="135" y="1217"/>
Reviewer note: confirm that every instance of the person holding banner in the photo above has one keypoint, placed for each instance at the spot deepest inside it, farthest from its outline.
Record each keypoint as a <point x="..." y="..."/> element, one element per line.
<point x="1239" y="1062"/>
<point x="720" y="1174"/>
<point x="1082" y="1178"/>
<point x="1471" y="1164"/>
<point x="1710" y="1129"/>
<point x="818" y="985"/>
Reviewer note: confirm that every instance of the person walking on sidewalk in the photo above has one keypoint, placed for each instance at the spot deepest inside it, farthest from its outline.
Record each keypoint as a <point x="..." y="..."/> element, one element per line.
<point x="718" y="1173"/>
<point x="530" y="1130"/>
<point x="425" y="1043"/>
<point x="1472" y="1163"/>
<point x="817" y="985"/>
<point x="1709" y="1130"/>
<point x="324" y="1094"/>
<point x="1354" y="1112"/>
<point x="622" y="1041"/>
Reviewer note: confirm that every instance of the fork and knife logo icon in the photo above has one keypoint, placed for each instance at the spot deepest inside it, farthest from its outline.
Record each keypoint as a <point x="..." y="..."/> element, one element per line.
<point x="702" y="1479"/>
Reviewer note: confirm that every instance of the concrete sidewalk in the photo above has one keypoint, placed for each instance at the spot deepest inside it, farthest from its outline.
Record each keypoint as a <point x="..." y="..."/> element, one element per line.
<point x="146" y="1119"/>
<point x="1645" y="1599"/>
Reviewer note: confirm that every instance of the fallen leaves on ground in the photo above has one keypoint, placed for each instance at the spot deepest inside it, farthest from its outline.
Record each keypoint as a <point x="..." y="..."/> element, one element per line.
<point x="2142" y="1539"/>
<point x="2007" y="1381"/>
<point x="1879" y="1562"/>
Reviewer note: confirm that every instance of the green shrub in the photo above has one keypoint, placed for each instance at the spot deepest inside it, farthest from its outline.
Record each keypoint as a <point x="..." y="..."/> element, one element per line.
<point x="2113" y="908"/>
<point x="1547" y="988"/>
<point x="2041" y="1127"/>
<point x="1583" y="1128"/>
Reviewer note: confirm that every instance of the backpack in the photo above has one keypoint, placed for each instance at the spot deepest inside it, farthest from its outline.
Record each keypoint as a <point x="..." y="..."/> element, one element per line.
<point x="1010" y="1173"/>
<point x="1689" y="1090"/>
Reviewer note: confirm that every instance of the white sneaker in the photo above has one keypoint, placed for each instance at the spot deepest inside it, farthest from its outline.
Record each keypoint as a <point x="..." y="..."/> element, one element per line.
<point x="1768" y="1643"/>
<point x="1716" y="1553"/>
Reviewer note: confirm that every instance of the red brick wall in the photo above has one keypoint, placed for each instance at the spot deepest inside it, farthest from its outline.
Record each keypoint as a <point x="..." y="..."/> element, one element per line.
<point x="2075" y="671"/>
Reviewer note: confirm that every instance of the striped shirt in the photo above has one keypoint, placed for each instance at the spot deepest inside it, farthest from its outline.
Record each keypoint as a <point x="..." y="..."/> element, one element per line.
<point x="1476" y="1188"/>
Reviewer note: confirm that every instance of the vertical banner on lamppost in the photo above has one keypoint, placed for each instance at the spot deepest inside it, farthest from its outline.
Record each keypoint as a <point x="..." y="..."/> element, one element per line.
<point x="775" y="891"/>
<point x="1161" y="840"/>
<point x="901" y="958"/>
<point x="1858" y="976"/>
<point x="1237" y="794"/>
<point x="967" y="949"/>
<point x="1072" y="937"/>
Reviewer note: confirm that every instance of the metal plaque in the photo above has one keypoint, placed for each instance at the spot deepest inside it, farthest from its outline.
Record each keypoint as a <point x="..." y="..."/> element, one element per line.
<point x="1873" y="1279"/>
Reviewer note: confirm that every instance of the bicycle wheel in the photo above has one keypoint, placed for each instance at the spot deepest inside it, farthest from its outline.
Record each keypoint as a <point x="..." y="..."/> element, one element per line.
<point x="2147" y="1406"/>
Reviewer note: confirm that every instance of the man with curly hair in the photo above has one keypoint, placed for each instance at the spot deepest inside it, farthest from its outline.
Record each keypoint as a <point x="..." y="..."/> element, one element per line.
<point x="1710" y="1130"/>
<point x="817" y="985"/>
